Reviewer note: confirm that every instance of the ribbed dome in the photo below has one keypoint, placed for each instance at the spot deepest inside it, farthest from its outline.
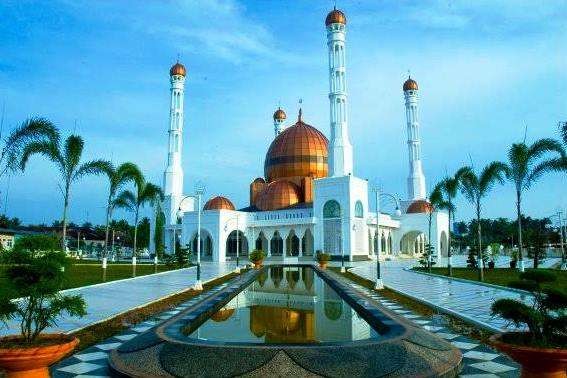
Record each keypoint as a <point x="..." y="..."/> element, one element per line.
<point x="299" y="151"/>
<point x="222" y="315"/>
<point x="177" y="69"/>
<point x="219" y="203"/>
<point x="420" y="206"/>
<point x="335" y="17"/>
<point x="410" y="85"/>
<point x="279" y="114"/>
<point x="278" y="195"/>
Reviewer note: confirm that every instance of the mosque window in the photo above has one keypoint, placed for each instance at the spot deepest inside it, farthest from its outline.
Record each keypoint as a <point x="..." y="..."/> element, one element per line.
<point x="358" y="210"/>
<point x="332" y="209"/>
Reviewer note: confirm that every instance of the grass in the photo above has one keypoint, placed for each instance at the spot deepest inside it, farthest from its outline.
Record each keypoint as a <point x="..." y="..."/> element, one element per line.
<point x="89" y="274"/>
<point x="500" y="276"/>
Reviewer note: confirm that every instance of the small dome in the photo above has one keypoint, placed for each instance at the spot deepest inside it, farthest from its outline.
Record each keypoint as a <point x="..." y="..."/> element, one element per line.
<point x="419" y="206"/>
<point x="219" y="203"/>
<point x="410" y="85"/>
<point x="177" y="69"/>
<point x="259" y="180"/>
<point x="279" y="115"/>
<point x="222" y="315"/>
<point x="278" y="195"/>
<point x="335" y="17"/>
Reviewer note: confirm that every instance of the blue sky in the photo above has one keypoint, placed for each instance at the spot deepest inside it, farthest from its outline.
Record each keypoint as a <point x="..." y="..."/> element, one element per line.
<point x="486" y="69"/>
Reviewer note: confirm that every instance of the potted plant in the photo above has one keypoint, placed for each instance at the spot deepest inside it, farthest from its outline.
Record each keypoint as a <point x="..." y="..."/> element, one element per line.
<point x="513" y="259"/>
<point x="542" y="349"/>
<point x="257" y="257"/>
<point x="494" y="252"/>
<point x="35" y="278"/>
<point x="323" y="259"/>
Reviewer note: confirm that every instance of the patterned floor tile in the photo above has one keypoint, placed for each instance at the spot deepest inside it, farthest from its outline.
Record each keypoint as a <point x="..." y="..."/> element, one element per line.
<point x="80" y="368"/>
<point x="480" y="355"/>
<point x="91" y="356"/>
<point x="464" y="345"/>
<point x="447" y="336"/>
<point x="109" y="346"/>
<point x="126" y="337"/>
<point x="492" y="367"/>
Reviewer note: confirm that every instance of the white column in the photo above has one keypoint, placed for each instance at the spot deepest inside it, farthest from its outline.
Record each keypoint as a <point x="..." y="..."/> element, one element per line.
<point x="173" y="175"/>
<point x="416" y="178"/>
<point x="340" y="151"/>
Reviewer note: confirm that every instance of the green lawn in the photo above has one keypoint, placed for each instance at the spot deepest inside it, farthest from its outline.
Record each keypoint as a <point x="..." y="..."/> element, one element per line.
<point x="89" y="274"/>
<point x="499" y="276"/>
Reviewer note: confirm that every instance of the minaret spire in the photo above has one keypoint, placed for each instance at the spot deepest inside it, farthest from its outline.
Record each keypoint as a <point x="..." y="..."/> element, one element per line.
<point x="416" y="178"/>
<point x="340" y="151"/>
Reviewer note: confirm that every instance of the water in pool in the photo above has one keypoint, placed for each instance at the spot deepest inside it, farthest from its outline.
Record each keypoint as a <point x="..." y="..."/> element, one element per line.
<point x="286" y="305"/>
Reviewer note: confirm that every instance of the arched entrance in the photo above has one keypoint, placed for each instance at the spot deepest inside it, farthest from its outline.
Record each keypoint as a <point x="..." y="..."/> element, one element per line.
<point x="413" y="243"/>
<point x="443" y="244"/>
<point x="235" y="238"/>
<point x="292" y="244"/>
<point x="308" y="243"/>
<point x="262" y="242"/>
<point x="276" y="244"/>
<point x="332" y="233"/>
<point x="206" y="245"/>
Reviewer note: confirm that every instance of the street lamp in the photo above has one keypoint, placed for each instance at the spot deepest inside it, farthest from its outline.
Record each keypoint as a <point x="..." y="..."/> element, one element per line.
<point x="199" y="191"/>
<point x="237" y="240"/>
<point x="559" y="215"/>
<point x="379" y="283"/>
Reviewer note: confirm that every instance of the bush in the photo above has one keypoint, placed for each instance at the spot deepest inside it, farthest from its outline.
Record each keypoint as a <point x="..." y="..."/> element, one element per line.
<point x="36" y="243"/>
<point x="257" y="255"/>
<point x="471" y="259"/>
<point x="37" y="279"/>
<point x="546" y="317"/>
<point x="323" y="257"/>
<point x="424" y="258"/>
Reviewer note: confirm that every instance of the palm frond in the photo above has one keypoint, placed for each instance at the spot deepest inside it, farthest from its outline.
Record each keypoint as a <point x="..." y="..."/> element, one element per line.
<point x="468" y="183"/>
<point x="545" y="145"/>
<point x="46" y="148"/>
<point x="124" y="200"/>
<point x="150" y="194"/>
<point x="73" y="150"/>
<point x="436" y="197"/>
<point x="491" y="174"/>
<point x="544" y="167"/>
<point x="563" y="132"/>
<point x="94" y="167"/>
<point x="31" y="130"/>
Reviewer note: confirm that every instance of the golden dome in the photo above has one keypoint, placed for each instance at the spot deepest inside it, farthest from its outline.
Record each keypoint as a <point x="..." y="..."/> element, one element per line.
<point x="278" y="195"/>
<point x="335" y="17"/>
<point x="222" y="315"/>
<point x="420" y="206"/>
<point x="177" y="69"/>
<point x="279" y="114"/>
<point x="219" y="203"/>
<point x="410" y="85"/>
<point x="299" y="151"/>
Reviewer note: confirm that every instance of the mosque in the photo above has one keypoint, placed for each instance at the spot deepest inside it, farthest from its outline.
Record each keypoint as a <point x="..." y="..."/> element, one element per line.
<point x="309" y="198"/>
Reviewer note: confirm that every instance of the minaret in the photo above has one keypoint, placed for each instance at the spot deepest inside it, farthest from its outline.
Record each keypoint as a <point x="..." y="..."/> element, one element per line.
<point x="279" y="118"/>
<point x="173" y="175"/>
<point x="416" y="179"/>
<point x="340" y="152"/>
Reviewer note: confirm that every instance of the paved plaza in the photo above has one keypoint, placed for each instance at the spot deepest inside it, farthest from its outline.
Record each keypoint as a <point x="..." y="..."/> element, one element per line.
<point x="113" y="298"/>
<point x="466" y="300"/>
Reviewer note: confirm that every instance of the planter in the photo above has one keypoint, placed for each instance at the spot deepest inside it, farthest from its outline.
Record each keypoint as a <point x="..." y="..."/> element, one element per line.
<point x="536" y="362"/>
<point x="323" y="264"/>
<point x="258" y="264"/>
<point x="34" y="361"/>
<point x="513" y="264"/>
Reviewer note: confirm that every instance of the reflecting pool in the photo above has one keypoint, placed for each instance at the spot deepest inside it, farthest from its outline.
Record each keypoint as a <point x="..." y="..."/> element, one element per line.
<point x="286" y="305"/>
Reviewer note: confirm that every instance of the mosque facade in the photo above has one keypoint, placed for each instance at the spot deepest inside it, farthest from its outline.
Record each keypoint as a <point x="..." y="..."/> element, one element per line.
<point x="309" y="198"/>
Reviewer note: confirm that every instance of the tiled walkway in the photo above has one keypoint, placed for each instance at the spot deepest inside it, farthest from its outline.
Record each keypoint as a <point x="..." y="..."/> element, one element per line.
<point x="478" y="359"/>
<point x="468" y="301"/>
<point x="112" y="298"/>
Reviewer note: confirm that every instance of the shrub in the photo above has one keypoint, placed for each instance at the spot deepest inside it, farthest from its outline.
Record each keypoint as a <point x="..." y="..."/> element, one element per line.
<point x="36" y="243"/>
<point x="323" y="257"/>
<point x="546" y="317"/>
<point x="424" y="258"/>
<point x="257" y="255"/>
<point x="36" y="279"/>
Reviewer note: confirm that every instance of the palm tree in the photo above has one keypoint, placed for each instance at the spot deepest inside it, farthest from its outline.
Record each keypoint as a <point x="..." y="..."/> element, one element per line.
<point x="447" y="190"/>
<point x="436" y="201"/>
<point x="526" y="164"/>
<point x="475" y="188"/>
<point x="117" y="177"/>
<point x="31" y="130"/>
<point x="67" y="158"/>
<point x="145" y="193"/>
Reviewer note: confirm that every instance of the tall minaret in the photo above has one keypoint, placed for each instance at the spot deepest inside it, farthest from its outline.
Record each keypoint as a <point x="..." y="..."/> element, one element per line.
<point x="416" y="179"/>
<point x="279" y="118"/>
<point x="340" y="154"/>
<point x="173" y="175"/>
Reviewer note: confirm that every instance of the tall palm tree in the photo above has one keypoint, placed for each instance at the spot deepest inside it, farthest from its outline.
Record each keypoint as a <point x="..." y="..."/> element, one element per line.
<point x="448" y="189"/>
<point x="31" y="130"/>
<point x="475" y="188"/>
<point x="526" y="164"/>
<point x="145" y="193"/>
<point x="117" y="178"/>
<point x="67" y="158"/>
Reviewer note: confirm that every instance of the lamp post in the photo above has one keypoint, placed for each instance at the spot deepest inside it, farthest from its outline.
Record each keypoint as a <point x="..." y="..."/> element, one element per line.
<point x="559" y="215"/>
<point x="237" y="240"/>
<point x="379" y="283"/>
<point x="199" y="191"/>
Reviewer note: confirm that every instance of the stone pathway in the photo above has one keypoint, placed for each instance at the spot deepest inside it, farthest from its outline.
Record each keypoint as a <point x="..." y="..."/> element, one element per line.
<point x="479" y="360"/>
<point x="93" y="361"/>
<point x="110" y="299"/>
<point x="466" y="300"/>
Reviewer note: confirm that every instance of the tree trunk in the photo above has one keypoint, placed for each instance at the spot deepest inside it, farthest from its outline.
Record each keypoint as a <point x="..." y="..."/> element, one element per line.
<point x="519" y="211"/>
<point x="429" y="252"/>
<point x="135" y="251"/>
<point x="479" y="244"/>
<point x="450" y="268"/>
<point x="65" y="207"/>
<point x="107" y="230"/>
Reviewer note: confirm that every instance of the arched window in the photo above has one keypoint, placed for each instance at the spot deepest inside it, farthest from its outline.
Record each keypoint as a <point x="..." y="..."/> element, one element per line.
<point x="332" y="209"/>
<point x="358" y="210"/>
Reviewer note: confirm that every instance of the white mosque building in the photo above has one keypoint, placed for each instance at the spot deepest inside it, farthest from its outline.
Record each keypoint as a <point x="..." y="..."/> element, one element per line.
<point x="309" y="198"/>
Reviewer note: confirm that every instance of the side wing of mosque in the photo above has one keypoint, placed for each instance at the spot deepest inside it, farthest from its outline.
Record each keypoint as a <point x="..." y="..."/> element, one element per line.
<point x="309" y="198"/>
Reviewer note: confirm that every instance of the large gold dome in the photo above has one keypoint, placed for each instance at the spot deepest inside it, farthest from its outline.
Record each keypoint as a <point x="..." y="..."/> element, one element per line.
<point x="299" y="151"/>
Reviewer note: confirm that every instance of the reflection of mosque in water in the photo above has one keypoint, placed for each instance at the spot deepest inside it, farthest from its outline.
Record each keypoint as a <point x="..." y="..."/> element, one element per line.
<point x="286" y="305"/>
